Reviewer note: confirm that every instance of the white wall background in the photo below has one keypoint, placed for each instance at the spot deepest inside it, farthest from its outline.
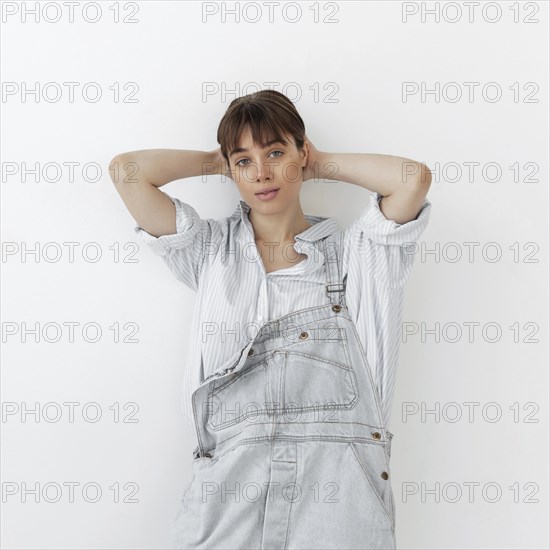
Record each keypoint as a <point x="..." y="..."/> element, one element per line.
<point x="357" y="65"/>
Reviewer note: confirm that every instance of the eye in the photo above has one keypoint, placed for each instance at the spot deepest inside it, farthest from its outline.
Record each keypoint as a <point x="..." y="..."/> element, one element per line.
<point x="276" y="151"/>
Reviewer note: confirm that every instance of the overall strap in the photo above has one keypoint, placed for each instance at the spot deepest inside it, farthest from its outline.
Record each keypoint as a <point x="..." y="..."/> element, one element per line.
<point x="333" y="268"/>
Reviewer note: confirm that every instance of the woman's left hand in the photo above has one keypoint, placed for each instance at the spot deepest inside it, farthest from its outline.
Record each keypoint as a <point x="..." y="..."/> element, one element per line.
<point x="312" y="168"/>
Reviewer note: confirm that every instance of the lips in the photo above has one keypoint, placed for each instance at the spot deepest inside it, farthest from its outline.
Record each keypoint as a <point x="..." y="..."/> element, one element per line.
<point x="268" y="195"/>
<point x="267" y="190"/>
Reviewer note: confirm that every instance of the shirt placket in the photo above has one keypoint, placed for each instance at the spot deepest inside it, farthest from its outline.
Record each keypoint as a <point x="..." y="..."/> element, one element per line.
<point x="262" y="313"/>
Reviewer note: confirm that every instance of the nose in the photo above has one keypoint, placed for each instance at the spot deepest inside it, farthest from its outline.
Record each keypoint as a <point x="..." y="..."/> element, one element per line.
<point x="260" y="172"/>
<point x="264" y="173"/>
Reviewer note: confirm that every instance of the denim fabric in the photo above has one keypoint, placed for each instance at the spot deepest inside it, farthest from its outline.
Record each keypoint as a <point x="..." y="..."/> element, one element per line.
<point x="292" y="451"/>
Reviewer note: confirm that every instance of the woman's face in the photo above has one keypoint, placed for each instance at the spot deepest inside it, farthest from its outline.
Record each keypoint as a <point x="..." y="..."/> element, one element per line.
<point x="276" y="166"/>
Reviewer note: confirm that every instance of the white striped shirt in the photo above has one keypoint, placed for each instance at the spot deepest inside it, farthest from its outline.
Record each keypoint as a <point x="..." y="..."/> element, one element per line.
<point x="220" y="261"/>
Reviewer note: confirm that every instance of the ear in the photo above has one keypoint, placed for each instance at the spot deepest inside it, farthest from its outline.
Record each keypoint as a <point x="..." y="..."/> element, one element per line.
<point x="305" y="152"/>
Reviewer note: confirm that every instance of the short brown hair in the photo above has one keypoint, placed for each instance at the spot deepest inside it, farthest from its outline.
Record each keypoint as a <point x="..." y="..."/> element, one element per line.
<point x="269" y="115"/>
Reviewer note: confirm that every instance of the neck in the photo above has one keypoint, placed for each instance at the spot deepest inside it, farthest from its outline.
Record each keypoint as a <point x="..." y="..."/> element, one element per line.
<point x="278" y="228"/>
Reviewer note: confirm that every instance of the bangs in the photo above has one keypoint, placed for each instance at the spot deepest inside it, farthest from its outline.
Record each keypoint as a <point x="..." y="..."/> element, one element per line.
<point x="263" y="127"/>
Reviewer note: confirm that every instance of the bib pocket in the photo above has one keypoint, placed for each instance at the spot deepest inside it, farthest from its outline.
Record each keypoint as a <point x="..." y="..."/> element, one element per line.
<point x="314" y="381"/>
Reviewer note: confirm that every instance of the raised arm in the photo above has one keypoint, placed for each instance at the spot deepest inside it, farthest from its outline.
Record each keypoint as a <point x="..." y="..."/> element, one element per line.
<point x="404" y="183"/>
<point x="137" y="176"/>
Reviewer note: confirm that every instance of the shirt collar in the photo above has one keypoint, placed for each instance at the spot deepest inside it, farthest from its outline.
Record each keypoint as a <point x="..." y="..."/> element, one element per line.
<point x="321" y="226"/>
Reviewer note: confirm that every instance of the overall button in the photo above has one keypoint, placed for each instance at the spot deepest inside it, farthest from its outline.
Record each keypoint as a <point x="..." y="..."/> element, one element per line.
<point x="250" y="351"/>
<point x="384" y="475"/>
<point x="303" y="335"/>
<point x="376" y="435"/>
<point x="336" y="308"/>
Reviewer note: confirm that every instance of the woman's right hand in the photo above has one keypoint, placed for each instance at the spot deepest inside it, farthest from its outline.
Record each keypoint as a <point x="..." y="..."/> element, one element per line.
<point x="221" y="164"/>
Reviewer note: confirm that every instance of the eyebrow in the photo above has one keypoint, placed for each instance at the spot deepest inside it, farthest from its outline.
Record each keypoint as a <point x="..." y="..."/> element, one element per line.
<point x="243" y="150"/>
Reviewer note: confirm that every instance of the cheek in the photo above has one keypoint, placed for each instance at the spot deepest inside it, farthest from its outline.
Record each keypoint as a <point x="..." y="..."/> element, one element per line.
<point x="239" y="180"/>
<point x="244" y="186"/>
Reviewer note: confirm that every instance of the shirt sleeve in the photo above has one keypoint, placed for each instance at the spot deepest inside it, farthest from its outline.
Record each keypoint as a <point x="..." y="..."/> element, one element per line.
<point x="184" y="251"/>
<point x="385" y="248"/>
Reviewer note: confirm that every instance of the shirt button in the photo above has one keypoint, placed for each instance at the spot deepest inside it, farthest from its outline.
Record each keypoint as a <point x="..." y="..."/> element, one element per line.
<point x="260" y="318"/>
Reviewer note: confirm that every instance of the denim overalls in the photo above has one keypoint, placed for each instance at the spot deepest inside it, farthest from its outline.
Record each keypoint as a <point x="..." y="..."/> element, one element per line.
<point x="292" y="452"/>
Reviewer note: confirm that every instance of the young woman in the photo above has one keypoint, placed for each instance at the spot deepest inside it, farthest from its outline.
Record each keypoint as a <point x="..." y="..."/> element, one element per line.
<point x="293" y="354"/>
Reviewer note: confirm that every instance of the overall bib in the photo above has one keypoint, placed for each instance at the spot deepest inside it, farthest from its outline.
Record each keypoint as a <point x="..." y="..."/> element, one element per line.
<point x="292" y="452"/>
